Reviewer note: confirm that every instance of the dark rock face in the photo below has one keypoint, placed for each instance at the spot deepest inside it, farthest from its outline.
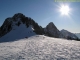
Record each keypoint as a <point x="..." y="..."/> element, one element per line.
<point x="52" y="31"/>
<point x="6" y="27"/>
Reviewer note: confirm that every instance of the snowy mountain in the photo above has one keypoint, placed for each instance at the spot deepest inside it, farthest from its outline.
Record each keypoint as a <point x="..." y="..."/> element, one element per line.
<point x="40" y="47"/>
<point x="18" y="27"/>
<point x="69" y="35"/>
<point x="78" y="35"/>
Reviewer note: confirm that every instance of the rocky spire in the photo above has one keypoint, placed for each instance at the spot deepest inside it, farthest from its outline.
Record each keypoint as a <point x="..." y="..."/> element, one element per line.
<point x="52" y="30"/>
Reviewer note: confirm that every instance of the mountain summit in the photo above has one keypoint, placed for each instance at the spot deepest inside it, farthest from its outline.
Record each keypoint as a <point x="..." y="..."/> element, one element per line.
<point x="18" y="27"/>
<point x="12" y="22"/>
<point x="52" y="30"/>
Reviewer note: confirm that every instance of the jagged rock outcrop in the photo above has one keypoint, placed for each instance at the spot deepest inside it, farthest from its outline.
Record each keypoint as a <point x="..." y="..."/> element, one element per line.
<point x="51" y="30"/>
<point x="6" y="27"/>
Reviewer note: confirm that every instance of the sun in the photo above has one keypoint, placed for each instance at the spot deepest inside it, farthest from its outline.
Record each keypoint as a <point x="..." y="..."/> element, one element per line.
<point x="64" y="9"/>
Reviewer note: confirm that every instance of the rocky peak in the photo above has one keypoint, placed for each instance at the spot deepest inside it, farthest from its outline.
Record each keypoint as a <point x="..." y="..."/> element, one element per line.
<point x="51" y="30"/>
<point x="51" y="26"/>
<point x="15" y="21"/>
<point x="18" y="16"/>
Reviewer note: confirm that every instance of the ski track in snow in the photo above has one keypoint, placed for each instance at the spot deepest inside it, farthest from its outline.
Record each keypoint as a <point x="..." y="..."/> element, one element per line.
<point x="40" y="47"/>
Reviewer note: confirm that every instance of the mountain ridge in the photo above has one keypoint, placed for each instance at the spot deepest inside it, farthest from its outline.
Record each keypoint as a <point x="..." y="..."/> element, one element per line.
<point x="50" y="30"/>
<point x="68" y="35"/>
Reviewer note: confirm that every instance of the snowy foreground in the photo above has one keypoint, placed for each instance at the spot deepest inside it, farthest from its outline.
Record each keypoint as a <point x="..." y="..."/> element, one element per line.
<point x="40" y="47"/>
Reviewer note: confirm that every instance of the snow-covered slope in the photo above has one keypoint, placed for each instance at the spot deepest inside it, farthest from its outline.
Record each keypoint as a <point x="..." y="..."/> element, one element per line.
<point x="78" y="35"/>
<point x="18" y="32"/>
<point x="40" y="47"/>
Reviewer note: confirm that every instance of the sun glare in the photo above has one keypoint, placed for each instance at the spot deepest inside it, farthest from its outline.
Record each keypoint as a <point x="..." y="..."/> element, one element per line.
<point x="64" y="9"/>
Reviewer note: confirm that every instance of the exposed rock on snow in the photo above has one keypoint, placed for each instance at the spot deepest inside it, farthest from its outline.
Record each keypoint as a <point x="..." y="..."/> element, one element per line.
<point x="16" y="21"/>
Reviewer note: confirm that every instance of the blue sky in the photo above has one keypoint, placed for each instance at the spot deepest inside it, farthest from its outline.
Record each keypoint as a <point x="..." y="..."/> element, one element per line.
<point x="43" y="12"/>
